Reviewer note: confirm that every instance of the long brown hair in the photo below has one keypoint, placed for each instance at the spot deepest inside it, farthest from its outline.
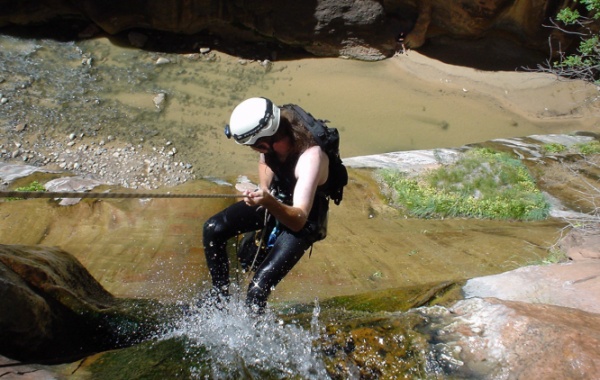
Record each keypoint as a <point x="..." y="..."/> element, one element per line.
<point x="291" y="124"/>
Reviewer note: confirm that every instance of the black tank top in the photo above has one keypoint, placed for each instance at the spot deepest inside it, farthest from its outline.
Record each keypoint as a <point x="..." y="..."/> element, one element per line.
<point x="284" y="183"/>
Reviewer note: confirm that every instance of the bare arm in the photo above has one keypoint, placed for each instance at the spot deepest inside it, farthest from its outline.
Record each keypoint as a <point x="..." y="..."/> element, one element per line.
<point x="265" y="174"/>
<point x="311" y="171"/>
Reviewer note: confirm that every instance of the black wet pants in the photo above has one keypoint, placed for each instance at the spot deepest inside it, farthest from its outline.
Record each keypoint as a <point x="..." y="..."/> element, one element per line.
<point x="237" y="219"/>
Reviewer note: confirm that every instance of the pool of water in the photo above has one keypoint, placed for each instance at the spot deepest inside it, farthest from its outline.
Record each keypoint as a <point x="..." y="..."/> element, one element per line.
<point x="98" y="88"/>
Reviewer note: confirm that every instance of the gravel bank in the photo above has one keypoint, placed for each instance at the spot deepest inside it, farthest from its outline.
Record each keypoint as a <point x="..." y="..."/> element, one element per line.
<point x="104" y="159"/>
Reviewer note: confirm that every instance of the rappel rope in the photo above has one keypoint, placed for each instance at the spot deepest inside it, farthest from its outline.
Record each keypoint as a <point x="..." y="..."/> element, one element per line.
<point x="262" y="240"/>
<point x="260" y="243"/>
<point x="74" y="194"/>
<point x="262" y="234"/>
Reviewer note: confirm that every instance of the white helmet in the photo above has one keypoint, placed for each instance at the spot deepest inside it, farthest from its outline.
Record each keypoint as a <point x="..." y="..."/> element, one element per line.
<point x="252" y="119"/>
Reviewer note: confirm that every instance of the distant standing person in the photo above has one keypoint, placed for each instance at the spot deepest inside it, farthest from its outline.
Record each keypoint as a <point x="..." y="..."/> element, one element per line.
<point x="289" y="207"/>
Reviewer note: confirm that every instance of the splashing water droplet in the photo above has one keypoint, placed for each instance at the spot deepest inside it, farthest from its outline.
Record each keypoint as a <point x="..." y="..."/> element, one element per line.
<point x="239" y="341"/>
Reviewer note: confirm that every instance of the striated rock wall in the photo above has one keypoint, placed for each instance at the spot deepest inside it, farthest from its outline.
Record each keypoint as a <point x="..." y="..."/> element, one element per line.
<point x="367" y="29"/>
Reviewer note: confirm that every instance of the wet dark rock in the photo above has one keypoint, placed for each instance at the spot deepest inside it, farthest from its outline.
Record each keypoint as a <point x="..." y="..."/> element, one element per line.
<point x="403" y="299"/>
<point x="54" y="310"/>
<point x="170" y="358"/>
<point x="374" y="346"/>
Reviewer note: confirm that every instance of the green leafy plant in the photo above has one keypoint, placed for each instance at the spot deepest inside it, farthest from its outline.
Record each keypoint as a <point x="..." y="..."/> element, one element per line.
<point x="33" y="186"/>
<point x="589" y="148"/>
<point x="584" y="63"/>
<point x="553" y="148"/>
<point x="481" y="184"/>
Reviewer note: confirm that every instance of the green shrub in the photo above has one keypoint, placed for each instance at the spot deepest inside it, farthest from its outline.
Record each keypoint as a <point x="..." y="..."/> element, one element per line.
<point x="553" y="148"/>
<point x="585" y="62"/>
<point x="482" y="184"/>
<point x="33" y="186"/>
<point x="589" y="148"/>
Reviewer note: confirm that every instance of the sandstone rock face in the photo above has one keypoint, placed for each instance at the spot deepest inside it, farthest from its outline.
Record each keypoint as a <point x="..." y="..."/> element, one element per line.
<point x="581" y="246"/>
<point x="542" y="322"/>
<point x="51" y="305"/>
<point x="367" y="30"/>
<point x="471" y="19"/>
<point x="494" y="339"/>
<point x="326" y="27"/>
<point x="575" y="285"/>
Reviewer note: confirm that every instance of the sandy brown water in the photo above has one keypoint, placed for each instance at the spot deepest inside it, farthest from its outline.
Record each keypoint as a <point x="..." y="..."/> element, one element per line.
<point x="406" y="102"/>
<point x="411" y="102"/>
<point x="154" y="249"/>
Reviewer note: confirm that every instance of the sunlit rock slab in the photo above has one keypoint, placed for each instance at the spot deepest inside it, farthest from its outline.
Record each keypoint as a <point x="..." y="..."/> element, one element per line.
<point x="496" y="339"/>
<point x="409" y="161"/>
<point x="11" y="172"/>
<point x="414" y="161"/>
<point x="575" y="285"/>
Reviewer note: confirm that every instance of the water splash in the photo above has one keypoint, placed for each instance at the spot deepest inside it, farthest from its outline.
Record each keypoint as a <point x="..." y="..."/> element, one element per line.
<point x="241" y="343"/>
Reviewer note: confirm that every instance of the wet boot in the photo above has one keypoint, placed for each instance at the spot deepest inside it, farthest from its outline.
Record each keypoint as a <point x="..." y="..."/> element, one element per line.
<point x="256" y="299"/>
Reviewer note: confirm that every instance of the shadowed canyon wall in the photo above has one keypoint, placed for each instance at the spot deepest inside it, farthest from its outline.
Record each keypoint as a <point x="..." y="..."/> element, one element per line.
<point x="367" y="29"/>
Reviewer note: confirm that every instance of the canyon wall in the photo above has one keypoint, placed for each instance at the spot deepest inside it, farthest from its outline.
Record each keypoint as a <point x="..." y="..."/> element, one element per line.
<point x="366" y="29"/>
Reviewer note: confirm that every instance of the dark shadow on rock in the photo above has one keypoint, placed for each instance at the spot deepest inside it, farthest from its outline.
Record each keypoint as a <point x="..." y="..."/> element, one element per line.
<point x="486" y="53"/>
<point x="382" y="301"/>
<point x="55" y="311"/>
<point x="161" y="41"/>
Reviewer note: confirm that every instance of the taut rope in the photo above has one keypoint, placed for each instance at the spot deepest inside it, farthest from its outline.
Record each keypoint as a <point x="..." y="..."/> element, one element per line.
<point x="73" y="194"/>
